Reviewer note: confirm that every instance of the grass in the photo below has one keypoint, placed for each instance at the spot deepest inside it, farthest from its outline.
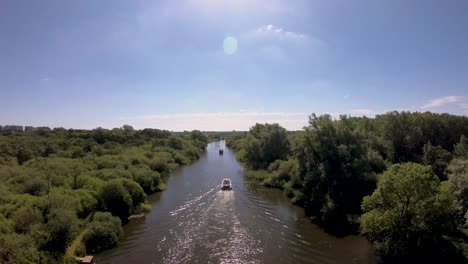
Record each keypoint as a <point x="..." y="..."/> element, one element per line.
<point x="75" y="244"/>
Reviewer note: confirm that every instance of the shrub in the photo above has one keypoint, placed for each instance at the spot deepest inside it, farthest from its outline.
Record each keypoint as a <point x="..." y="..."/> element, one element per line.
<point x="103" y="233"/>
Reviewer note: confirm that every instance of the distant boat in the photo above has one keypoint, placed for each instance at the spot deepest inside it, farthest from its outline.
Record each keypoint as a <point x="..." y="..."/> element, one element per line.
<point x="221" y="151"/>
<point x="226" y="184"/>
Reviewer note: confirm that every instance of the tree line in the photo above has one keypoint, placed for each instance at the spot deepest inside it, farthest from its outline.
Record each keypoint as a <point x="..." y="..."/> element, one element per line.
<point x="400" y="179"/>
<point x="66" y="193"/>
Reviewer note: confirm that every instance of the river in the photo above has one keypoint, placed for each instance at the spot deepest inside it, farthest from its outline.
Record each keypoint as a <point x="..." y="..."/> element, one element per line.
<point x="193" y="221"/>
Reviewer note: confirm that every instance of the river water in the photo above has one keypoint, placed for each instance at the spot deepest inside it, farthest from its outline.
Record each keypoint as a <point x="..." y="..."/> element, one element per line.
<point x="193" y="221"/>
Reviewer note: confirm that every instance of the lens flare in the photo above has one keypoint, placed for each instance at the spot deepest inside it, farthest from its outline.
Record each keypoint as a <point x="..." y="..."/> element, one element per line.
<point x="230" y="45"/>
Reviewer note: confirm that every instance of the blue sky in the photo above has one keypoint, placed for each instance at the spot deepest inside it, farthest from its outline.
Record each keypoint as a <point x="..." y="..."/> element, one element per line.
<point x="163" y="64"/>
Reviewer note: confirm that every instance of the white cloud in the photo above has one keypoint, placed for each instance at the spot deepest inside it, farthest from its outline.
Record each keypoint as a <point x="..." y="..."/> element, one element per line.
<point x="441" y="101"/>
<point x="280" y="43"/>
<point x="45" y="79"/>
<point x="280" y="33"/>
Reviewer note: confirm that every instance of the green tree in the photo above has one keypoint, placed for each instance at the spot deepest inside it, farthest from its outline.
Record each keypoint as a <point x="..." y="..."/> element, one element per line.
<point x="26" y="217"/>
<point x="57" y="233"/>
<point x="265" y="144"/>
<point x="407" y="213"/>
<point x="18" y="249"/>
<point x="461" y="148"/>
<point x="87" y="202"/>
<point x="136" y="192"/>
<point x="115" y="198"/>
<point x="438" y="158"/>
<point x="198" y="135"/>
<point x="103" y="233"/>
<point x="253" y="153"/>
<point x="336" y="169"/>
<point x="175" y="142"/>
<point x="458" y="179"/>
<point x="24" y="154"/>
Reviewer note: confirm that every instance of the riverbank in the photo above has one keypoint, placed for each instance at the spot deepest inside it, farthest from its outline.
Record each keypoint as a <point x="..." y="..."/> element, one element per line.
<point x="55" y="181"/>
<point x="350" y="176"/>
<point x="194" y="221"/>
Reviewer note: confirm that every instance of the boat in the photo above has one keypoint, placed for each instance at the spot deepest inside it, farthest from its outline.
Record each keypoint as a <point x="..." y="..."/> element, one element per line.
<point x="226" y="184"/>
<point x="221" y="151"/>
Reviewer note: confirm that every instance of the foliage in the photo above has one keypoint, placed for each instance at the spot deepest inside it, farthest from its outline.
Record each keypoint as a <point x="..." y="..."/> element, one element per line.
<point x="54" y="181"/>
<point x="103" y="233"/>
<point x="409" y="211"/>
<point x="438" y="158"/>
<point x="58" y="231"/>
<point x="333" y="163"/>
<point x="461" y="148"/>
<point x="458" y="180"/>
<point x="336" y="169"/>
<point x="264" y="144"/>
<point x="25" y="218"/>
<point x="18" y="248"/>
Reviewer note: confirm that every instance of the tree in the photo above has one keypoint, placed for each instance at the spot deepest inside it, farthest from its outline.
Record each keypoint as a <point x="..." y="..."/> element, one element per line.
<point x="26" y="217"/>
<point x="87" y="202"/>
<point x="148" y="180"/>
<point x="18" y="249"/>
<point x="461" y="148"/>
<point x="265" y="144"/>
<point x="438" y="158"/>
<point x="128" y="128"/>
<point x="175" y="142"/>
<point x="198" y="135"/>
<point x="115" y="198"/>
<point x="24" y="154"/>
<point x="336" y="170"/>
<point x="59" y="230"/>
<point x="407" y="213"/>
<point x="103" y="233"/>
<point x="253" y="154"/>
<point x="403" y="135"/>
<point x="136" y="192"/>
<point x="458" y="179"/>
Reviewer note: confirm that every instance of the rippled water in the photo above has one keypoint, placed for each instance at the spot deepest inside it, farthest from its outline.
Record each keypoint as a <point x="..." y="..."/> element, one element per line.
<point x="195" y="222"/>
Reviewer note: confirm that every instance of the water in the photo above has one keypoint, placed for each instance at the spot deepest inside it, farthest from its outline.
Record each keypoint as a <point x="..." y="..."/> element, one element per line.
<point x="195" y="222"/>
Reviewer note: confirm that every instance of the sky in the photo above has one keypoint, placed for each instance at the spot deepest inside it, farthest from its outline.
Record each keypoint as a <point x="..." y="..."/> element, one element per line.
<point x="228" y="64"/>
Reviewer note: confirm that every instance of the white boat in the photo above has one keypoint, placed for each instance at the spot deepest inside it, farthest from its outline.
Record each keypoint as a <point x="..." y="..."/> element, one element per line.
<point x="226" y="184"/>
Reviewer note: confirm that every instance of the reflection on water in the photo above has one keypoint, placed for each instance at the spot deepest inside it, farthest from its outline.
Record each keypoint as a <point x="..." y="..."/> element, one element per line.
<point x="195" y="222"/>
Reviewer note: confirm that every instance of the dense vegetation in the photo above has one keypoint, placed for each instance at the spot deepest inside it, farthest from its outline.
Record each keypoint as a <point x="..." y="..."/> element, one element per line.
<point x="399" y="178"/>
<point x="63" y="186"/>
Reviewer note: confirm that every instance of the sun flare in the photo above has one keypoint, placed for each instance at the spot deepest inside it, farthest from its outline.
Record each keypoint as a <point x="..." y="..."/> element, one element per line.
<point x="230" y="45"/>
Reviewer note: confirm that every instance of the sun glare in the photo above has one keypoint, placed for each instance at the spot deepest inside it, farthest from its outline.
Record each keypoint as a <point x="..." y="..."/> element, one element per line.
<point x="230" y="45"/>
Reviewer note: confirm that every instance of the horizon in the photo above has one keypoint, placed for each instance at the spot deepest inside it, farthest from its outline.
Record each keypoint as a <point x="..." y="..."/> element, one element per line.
<point x="223" y="66"/>
<point x="334" y="116"/>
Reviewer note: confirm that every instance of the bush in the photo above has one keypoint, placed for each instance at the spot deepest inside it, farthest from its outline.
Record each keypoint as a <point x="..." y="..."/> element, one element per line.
<point x="87" y="202"/>
<point x="180" y="158"/>
<point x="18" y="249"/>
<point x="148" y="180"/>
<point x="26" y="217"/>
<point x="115" y="199"/>
<point x="136" y="192"/>
<point x="103" y="233"/>
<point x="58" y="232"/>
<point x="35" y="186"/>
<point x="175" y="142"/>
